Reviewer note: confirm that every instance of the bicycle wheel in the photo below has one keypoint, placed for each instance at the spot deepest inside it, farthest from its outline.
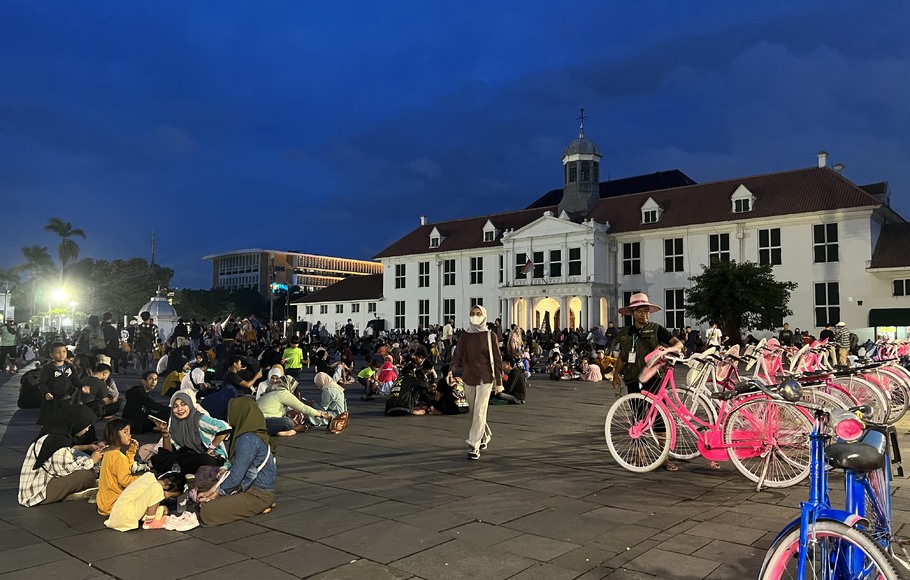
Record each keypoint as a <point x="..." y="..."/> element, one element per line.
<point x="866" y="393"/>
<point x="826" y="400"/>
<point x="630" y="435"/>
<point x="687" y="440"/>
<point x="768" y="442"/>
<point x="898" y="393"/>
<point x="835" y="551"/>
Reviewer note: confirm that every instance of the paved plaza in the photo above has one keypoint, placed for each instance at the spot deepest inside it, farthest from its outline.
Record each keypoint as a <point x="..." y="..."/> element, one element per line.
<point x="394" y="497"/>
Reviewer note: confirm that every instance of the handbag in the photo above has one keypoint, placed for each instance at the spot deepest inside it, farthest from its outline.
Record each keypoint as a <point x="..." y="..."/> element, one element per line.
<point x="339" y="423"/>
<point x="297" y="417"/>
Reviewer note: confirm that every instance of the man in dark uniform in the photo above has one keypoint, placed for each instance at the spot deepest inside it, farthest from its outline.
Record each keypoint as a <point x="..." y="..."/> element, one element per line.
<point x="636" y="342"/>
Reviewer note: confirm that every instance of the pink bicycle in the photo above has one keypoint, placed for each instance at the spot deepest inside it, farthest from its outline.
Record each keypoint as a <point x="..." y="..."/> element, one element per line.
<point x="766" y="440"/>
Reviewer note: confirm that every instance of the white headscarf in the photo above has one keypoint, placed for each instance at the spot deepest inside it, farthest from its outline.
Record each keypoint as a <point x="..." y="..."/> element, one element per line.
<point x="482" y="327"/>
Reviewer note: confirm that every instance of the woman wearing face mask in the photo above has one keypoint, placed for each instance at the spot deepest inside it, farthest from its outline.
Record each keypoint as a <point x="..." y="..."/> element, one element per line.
<point x="478" y="354"/>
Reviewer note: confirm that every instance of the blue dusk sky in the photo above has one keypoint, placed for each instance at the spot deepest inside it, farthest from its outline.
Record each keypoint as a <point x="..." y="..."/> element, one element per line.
<point x="330" y="127"/>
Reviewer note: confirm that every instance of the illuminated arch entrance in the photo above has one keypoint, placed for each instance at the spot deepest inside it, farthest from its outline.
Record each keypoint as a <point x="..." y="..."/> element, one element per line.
<point x="603" y="312"/>
<point x="574" y="312"/>
<point x="520" y="313"/>
<point x="546" y="315"/>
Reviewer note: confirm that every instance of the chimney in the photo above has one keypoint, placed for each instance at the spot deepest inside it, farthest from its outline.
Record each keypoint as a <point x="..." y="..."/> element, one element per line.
<point x="822" y="158"/>
<point x="423" y="220"/>
<point x="839" y="168"/>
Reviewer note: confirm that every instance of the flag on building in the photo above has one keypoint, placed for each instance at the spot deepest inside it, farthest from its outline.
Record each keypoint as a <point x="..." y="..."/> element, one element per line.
<point x="527" y="267"/>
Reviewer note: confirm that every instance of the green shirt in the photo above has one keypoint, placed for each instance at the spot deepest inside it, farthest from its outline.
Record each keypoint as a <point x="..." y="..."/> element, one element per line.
<point x="366" y="373"/>
<point x="643" y="341"/>
<point x="293" y="358"/>
<point x="276" y="404"/>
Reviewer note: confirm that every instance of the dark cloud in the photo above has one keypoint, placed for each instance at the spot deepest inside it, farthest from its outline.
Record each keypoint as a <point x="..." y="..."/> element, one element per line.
<point x="326" y="129"/>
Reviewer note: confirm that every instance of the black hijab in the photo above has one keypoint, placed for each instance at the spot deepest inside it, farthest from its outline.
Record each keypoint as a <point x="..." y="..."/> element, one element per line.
<point x="63" y="433"/>
<point x="63" y="417"/>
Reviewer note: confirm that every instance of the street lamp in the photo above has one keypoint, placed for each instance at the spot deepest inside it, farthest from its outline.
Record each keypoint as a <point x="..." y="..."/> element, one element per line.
<point x="73" y="307"/>
<point x="59" y="297"/>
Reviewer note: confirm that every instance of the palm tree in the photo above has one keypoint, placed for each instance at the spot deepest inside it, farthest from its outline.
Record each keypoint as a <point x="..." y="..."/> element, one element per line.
<point x="68" y="250"/>
<point x="37" y="260"/>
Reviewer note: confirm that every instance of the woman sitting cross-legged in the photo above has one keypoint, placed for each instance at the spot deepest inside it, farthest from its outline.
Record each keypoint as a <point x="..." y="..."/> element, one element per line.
<point x="116" y="467"/>
<point x="249" y="488"/>
<point x="53" y="469"/>
<point x="190" y="439"/>
<point x="331" y="402"/>
<point x="277" y="400"/>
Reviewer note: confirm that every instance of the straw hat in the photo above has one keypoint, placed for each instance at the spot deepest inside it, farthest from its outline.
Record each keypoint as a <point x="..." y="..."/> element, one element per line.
<point x="636" y="301"/>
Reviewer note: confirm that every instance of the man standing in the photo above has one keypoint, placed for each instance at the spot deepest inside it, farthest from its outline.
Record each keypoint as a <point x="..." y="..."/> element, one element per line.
<point x="842" y="338"/>
<point x="635" y="343"/>
<point x="828" y="333"/>
<point x="611" y="334"/>
<point x="349" y="332"/>
<point x="9" y="339"/>
<point x="111" y="339"/>
<point x="786" y="335"/>
<point x="448" y="333"/>
<point x="714" y="336"/>
<point x="146" y="339"/>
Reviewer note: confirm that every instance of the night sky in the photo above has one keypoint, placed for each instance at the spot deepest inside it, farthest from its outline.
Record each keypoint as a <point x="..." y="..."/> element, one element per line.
<point x="330" y="127"/>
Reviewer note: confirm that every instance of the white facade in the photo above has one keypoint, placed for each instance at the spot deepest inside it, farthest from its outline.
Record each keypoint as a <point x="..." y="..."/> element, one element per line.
<point x="334" y="315"/>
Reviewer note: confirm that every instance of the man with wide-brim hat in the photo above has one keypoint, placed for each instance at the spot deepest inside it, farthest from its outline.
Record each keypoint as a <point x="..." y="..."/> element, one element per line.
<point x="636" y="342"/>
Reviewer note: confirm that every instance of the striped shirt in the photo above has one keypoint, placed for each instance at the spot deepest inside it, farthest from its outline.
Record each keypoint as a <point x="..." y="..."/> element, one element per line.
<point x="33" y="482"/>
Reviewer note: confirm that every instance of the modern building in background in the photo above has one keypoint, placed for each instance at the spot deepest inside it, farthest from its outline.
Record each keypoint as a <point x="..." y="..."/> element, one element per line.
<point x="574" y="256"/>
<point x="258" y="269"/>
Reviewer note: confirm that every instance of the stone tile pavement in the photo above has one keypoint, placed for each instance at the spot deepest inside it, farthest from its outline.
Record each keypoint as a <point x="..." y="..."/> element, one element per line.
<point x="395" y="498"/>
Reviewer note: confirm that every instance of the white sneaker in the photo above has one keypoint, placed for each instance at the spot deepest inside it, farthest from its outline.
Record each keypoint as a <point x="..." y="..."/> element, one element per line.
<point x="86" y="494"/>
<point x="182" y="523"/>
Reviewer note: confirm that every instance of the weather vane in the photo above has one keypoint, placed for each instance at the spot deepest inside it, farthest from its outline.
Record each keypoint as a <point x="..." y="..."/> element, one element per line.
<point x="582" y="117"/>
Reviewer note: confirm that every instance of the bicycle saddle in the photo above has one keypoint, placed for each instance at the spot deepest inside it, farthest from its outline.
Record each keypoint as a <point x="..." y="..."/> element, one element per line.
<point x="866" y="454"/>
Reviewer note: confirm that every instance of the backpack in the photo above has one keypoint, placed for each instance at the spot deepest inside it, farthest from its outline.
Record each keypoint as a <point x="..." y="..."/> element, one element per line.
<point x="96" y="339"/>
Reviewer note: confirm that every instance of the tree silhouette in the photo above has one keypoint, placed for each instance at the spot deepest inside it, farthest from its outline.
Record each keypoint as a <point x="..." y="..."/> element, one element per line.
<point x="68" y="250"/>
<point x="38" y="262"/>
<point x="737" y="297"/>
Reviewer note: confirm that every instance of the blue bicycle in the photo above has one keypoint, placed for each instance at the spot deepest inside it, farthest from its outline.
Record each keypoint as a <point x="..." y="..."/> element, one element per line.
<point x="839" y="544"/>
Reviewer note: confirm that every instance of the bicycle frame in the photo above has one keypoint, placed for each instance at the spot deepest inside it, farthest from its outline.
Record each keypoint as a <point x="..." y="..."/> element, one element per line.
<point x="710" y="435"/>
<point x="818" y="507"/>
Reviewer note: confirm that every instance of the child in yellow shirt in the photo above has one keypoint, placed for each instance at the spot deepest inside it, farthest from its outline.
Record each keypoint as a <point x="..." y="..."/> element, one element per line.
<point x="116" y="465"/>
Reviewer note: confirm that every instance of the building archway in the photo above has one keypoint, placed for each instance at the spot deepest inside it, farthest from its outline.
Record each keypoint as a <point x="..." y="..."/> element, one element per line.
<point x="574" y="314"/>
<point x="546" y="314"/>
<point x="603" y="312"/>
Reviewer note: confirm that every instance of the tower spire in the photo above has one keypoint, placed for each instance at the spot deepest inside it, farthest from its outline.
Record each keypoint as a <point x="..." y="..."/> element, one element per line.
<point x="581" y="128"/>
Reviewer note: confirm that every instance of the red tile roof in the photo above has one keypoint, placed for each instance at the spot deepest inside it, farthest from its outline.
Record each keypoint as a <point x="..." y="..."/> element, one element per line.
<point x="788" y="192"/>
<point x="462" y="234"/>
<point x="353" y="288"/>
<point x="893" y="247"/>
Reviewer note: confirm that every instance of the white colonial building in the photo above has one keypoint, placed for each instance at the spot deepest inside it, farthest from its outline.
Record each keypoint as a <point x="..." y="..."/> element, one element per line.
<point x="576" y="254"/>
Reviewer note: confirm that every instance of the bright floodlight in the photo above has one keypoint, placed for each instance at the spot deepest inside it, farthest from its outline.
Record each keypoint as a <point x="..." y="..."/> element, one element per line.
<point x="60" y="295"/>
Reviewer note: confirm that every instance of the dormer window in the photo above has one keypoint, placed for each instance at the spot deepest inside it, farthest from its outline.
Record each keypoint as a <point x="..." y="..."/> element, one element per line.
<point x="489" y="232"/>
<point x="651" y="212"/>
<point x="436" y="238"/>
<point x="742" y="200"/>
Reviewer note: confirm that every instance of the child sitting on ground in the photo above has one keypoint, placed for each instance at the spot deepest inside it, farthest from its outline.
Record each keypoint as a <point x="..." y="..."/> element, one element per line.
<point x="116" y="466"/>
<point x="141" y="501"/>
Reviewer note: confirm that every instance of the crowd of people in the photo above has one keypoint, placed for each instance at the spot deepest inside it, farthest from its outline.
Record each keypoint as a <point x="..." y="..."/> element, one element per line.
<point x="231" y="387"/>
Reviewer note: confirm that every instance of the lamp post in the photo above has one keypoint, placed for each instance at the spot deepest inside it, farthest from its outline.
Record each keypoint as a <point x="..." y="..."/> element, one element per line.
<point x="59" y="297"/>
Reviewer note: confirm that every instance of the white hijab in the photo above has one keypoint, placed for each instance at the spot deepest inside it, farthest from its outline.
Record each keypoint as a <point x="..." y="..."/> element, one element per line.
<point x="482" y="327"/>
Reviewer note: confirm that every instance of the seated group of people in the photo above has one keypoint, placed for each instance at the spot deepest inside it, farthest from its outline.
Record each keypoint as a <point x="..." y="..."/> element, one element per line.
<point x="225" y="434"/>
<point x="575" y="366"/>
<point x="66" y="461"/>
<point x="420" y="390"/>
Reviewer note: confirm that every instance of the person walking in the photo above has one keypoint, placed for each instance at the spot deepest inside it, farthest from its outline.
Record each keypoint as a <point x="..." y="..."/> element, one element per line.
<point x="842" y="338"/>
<point x="636" y="342"/>
<point x="481" y="361"/>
